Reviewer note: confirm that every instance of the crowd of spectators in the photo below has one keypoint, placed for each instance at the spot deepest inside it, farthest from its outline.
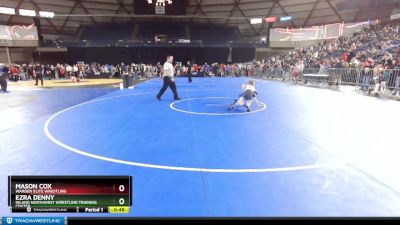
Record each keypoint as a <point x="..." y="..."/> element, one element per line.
<point x="374" y="52"/>
<point x="22" y="72"/>
<point x="353" y="51"/>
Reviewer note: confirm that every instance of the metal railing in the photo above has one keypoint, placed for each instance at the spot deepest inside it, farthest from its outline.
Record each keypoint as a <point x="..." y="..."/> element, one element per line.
<point x="361" y="79"/>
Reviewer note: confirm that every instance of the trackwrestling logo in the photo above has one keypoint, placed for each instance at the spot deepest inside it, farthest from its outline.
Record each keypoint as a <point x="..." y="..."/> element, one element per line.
<point x="33" y="220"/>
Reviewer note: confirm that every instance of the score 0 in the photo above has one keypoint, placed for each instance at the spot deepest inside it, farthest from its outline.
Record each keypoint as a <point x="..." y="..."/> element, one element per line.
<point x="121" y="188"/>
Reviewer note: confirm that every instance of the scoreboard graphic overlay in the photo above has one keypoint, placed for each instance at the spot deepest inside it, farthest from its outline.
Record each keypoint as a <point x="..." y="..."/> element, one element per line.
<point x="77" y="194"/>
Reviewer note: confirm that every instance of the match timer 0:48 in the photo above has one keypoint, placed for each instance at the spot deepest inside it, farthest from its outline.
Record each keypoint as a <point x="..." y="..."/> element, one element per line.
<point x="118" y="209"/>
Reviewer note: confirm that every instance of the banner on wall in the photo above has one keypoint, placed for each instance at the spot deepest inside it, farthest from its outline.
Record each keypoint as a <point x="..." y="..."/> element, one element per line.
<point x="324" y="32"/>
<point x="19" y="35"/>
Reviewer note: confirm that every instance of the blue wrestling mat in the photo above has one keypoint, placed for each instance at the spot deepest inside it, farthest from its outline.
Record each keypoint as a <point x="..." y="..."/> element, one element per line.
<point x="301" y="152"/>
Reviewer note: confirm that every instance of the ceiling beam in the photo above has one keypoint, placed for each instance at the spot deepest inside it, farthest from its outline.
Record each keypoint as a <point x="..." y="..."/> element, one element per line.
<point x="71" y="11"/>
<point x="231" y="12"/>
<point x="198" y="7"/>
<point x="258" y="9"/>
<point x="83" y="2"/>
<point x="72" y="33"/>
<point x="244" y="15"/>
<point x="310" y="13"/>
<point x="121" y="6"/>
<point x="334" y="10"/>
<point x="86" y="11"/>
<point x="309" y="25"/>
<point x="47" y="19"/>
<point x="195" y="11"/>
<point x="268" y="15"/>
<point x="92" y="2"/>
<point x="12" y="16"/>
<point x="356" y="16"/>
<point x="251" y="3"/>
<point x="66" y="27"/>
<point x="284" y="11"/>
<point x="242" y="3"/>
<point x="225" y="11"/>
<point x="202" y="11"/>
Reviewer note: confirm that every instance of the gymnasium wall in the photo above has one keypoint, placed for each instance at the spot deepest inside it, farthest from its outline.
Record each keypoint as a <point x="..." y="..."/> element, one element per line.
<point x="18" y="55"/>
<point x="146" y="55"/>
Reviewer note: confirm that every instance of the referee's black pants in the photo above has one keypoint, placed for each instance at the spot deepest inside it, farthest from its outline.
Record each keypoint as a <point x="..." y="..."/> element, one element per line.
<point x="3" y="83"/>
<point x="39" y="76"/>
<point x="168" y="82"/>
<point x="189" y="75"/>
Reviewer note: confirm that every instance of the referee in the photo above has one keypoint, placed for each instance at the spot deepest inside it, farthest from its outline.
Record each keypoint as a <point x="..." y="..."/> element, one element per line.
<point x="3" y="78"/>
<point x="168" y="78"/>
<point x="39" y="71"/>
<point x="189" y="71"/>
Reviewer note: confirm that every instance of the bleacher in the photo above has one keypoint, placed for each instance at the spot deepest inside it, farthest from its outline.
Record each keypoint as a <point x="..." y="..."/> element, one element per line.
<point x="147" y="31"/>
<point x="213" y="34"/>
<point x="107" y="32"/>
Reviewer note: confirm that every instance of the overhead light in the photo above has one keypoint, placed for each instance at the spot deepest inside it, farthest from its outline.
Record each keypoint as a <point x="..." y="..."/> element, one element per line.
<point x="285" y="18"/>
<point x="160" y="2"/>
<point x="256" y="21"/>
<point x="27" y="12"/>
<point x="46" y="14"/>
<point x="6" y="10"/>
<point x="263" y="39"/>
<point x="271" y="19"/>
